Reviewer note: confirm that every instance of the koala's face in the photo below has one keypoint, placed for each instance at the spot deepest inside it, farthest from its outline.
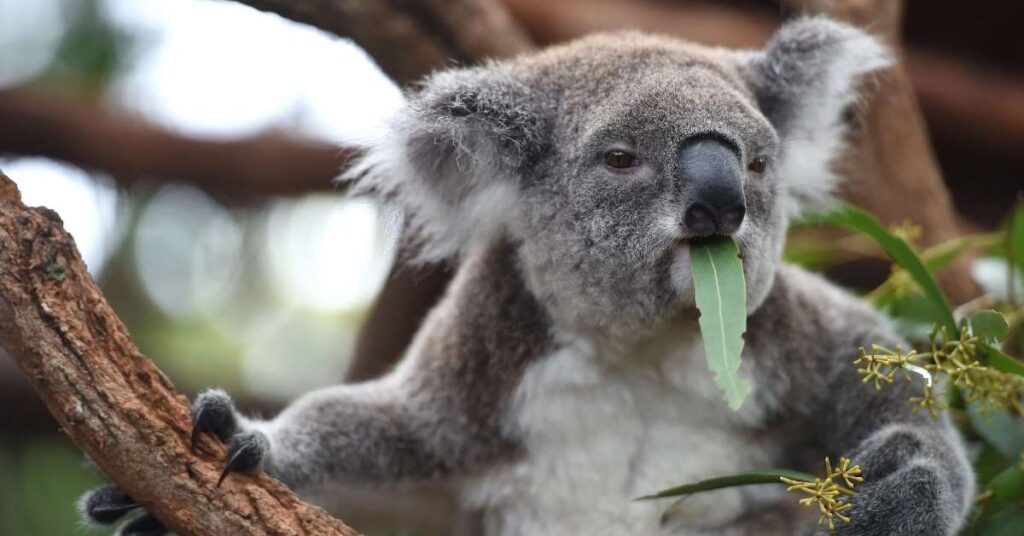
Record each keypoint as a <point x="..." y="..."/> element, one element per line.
<point x="663" y="145"/>
<point x="603" y="160"/>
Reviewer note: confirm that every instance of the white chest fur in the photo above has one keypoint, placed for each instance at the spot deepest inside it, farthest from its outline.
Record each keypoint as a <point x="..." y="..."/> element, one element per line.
<point x="600" y="431"/>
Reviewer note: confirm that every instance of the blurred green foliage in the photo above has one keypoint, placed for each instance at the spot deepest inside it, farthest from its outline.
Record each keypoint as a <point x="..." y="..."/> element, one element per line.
<point x="40" y="480"/>
<point x="92" y="52"/>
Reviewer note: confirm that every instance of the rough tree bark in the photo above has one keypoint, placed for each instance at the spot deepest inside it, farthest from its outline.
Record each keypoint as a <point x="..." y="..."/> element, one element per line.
<point x="112" y="401"/>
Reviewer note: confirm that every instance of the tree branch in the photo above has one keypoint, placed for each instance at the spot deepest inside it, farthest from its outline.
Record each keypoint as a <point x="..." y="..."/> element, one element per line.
<point x="112" y="401"/>
<point x="411" y="38"/>
<point x="90" y="136"/>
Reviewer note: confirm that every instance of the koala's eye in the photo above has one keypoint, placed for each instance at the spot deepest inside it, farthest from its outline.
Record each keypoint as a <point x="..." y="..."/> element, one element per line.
<point x="758" y="164"/>
<point x="619" y="159"/>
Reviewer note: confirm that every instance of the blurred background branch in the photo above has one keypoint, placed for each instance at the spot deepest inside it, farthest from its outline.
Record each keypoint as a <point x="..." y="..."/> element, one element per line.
<point x="35" y="123"/>
<point x="410" y="38"/>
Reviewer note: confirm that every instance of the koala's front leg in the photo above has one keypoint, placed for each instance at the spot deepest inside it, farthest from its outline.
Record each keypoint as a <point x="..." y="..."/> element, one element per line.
<point x="369" y="433"/>
<point x="917" y="481"/>
<point x="375" y="433"/>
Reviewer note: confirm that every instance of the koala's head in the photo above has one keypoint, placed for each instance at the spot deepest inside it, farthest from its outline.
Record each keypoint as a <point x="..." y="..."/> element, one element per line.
<point x="599" y="161"/>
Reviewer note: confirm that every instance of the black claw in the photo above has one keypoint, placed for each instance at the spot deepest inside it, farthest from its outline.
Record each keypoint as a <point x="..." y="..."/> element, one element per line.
<point x="146" y="525"/>
<point x="213" y="412"/>
<point x="106" y="504"/>
<point x="245" y="454"/>
<point x="224" y="473"/>
<point x="197" y="417"/>
<point x="112" y="513"/>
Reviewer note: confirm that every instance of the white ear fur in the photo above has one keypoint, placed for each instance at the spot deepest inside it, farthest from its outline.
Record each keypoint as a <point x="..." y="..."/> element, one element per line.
<point x="807" y="76"/>
<point x="447" y="173"/>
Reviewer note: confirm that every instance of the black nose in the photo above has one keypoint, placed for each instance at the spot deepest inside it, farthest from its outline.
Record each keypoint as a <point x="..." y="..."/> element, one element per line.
<point x="712" y="187"/>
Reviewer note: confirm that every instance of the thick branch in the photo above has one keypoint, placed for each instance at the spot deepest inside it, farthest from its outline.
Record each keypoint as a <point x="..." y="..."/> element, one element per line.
<point x="701" y="22"/>
<point x="969" y="102"/>
<point x="112" y="401"/>
<point x="408" y="295"/>
<point x="88" y="135"/>
<point x="410" y="38"/>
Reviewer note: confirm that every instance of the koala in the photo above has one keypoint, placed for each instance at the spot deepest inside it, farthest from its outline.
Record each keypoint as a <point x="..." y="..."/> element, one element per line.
<point x="563" y="374"/>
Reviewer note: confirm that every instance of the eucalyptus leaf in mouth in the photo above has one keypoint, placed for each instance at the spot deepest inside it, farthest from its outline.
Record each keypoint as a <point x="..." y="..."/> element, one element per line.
<point x="721" y="296"/>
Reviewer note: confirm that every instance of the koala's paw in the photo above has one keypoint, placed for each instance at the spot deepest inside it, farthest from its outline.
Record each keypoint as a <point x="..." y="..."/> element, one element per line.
<point x="246" y="451"/>
<point x="214" y="413"/>
<point x="913" y="501"/>
<point x="106" y="505"/>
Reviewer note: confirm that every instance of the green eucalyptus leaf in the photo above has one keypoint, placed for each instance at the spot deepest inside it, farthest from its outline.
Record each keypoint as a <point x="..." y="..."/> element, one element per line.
<point x="990" y="461"/>
<point x="935" y="258"/>
<point x="990" y="326"/>
<point x="913" y="314"/>
<point x="721" y="295"/>
<point x="998" y="360"/>
<point x="769" y="476"/>
<point x="1008" y="484"/>
<point x="941" y="255"/>
<point x="853" y="218"/>
<point x="998" y="428"/>
<point x="996" y="518"/>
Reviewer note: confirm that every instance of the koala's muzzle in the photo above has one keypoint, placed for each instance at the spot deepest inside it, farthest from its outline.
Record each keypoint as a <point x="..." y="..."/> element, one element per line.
<point x="712" y="181"/>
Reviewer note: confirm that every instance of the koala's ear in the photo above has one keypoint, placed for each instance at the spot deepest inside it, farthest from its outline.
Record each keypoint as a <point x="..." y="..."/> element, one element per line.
<point x="454" y="156"/>
<point x="805" y="80"/>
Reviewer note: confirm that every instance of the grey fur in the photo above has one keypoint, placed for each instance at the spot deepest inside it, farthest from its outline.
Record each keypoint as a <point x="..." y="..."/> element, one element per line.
<point x="437" y="416"/>
<point x="500" y="166"/>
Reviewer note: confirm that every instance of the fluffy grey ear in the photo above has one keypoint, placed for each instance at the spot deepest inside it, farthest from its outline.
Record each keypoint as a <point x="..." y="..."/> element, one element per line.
<point x="453" y="157"/>
<point x="804" y="80"/>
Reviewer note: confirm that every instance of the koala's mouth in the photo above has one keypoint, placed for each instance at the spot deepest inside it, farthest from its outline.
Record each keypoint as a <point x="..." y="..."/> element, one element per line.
<point x="681" y="266"/>
<point x="706" y="240"/>
<point x="701" y="240"/>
